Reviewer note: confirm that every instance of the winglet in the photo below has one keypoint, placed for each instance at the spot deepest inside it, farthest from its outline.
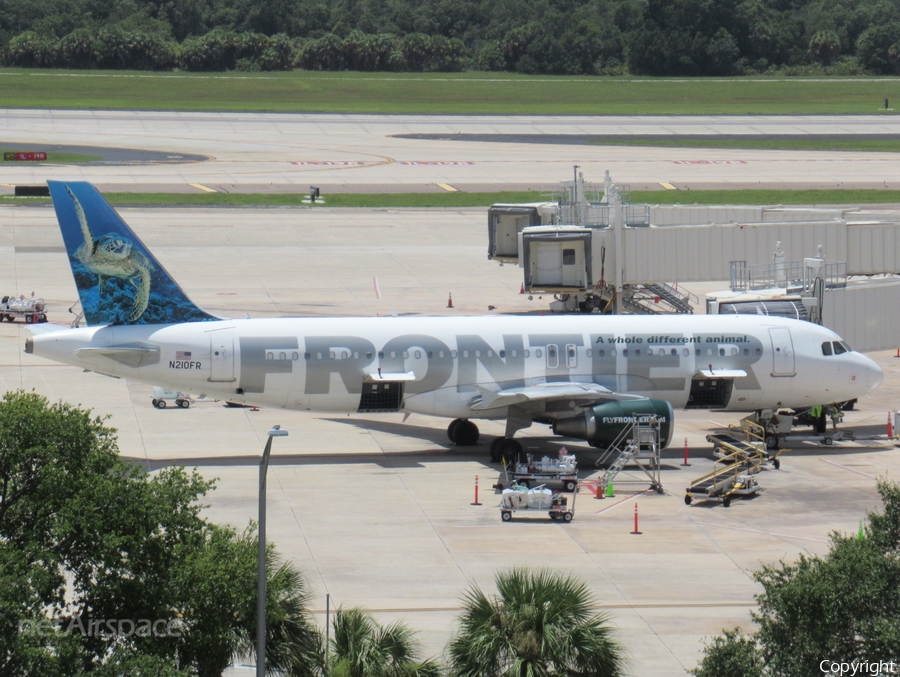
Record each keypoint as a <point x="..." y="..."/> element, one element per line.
<point x="119" y="281"/>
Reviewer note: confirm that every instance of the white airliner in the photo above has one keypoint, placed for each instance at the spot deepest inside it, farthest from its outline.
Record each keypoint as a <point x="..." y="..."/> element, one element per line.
<point x="586" y="376"/>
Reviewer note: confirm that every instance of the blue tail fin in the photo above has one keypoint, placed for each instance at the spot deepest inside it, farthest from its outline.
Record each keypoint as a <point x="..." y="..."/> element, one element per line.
<point x="119" y="281"/>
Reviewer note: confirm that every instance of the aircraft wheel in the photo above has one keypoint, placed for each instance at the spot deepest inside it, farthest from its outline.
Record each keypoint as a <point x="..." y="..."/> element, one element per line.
<point x="771" y="441"/>
<point x="567" y="517"/>
<point x="688" y="499"/>
<point x="506" y="516"/>
<point x="466" y="434"/>
<point x="726" y="501"/>
<point x="495" y="457"/>
<point x="510" y="449"/>
<point x="451" y="429"/>
<point x="161" y="405"/>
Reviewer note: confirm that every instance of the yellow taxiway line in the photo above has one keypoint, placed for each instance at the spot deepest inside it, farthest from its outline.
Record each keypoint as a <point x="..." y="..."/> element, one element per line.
<point x="205" y="189"/>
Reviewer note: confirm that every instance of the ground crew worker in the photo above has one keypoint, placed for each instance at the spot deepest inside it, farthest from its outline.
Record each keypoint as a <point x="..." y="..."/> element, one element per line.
<point x="835" y="414"/>
<point x="817" y="413"/>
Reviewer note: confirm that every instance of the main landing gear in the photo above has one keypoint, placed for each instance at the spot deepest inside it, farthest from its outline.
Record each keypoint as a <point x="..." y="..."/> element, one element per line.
<point x="505" y="449"/>
<point x="464" y="433"/>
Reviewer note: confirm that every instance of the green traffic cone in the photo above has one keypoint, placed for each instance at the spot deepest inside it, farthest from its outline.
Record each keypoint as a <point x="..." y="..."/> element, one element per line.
<point x="610" y="491"/>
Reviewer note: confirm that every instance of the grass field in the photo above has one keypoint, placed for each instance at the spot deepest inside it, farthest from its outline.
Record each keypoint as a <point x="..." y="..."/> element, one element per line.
<point x="451" y="200"/>
<point x="452" y="93"/>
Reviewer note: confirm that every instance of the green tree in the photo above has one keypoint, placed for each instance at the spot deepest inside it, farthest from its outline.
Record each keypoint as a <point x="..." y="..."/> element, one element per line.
<point x="842" y="606"/>
<point x="824" y="47"/>
<point x="733" y="654"/>
<point x="539" y="623"/>
<point x="878" y="48"/>
<point x="363" y="648"/>
<point x="216" y="587"/>
<point x="86" y="537"/>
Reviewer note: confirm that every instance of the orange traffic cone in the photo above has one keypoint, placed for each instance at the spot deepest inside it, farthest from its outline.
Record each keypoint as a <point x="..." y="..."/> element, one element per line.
<point x="450" y="301"/>
<point x="522" y="291"/>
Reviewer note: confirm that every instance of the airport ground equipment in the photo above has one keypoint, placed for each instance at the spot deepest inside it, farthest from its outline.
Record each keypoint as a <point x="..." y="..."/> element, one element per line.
<point x="539" y="499"/>
<point x="31" y="310"/>
<point x="724" y="484"/>
<point x="778" y="425"/>
<point x="743" y="444"/>
<point x="638" y="443"/>
<point x="562" y="471"/>
<point x="740" y="454"/>
<point x="161" y="396"/>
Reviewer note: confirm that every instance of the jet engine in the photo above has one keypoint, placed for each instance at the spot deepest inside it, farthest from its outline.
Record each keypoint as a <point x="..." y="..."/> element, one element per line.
<point x="603" y="423"/>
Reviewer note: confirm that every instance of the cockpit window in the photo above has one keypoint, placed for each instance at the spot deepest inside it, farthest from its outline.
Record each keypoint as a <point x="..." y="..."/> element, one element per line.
<point x="839" y="347"/>
<point x="847" y="346"/>
<point x="826" y="348"/>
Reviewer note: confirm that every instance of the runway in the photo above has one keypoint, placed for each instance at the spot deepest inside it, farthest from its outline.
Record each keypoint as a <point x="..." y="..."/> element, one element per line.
<point x="272" y="152"/>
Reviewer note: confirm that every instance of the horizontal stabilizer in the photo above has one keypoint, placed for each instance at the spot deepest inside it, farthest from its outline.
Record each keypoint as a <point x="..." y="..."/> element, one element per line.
<point x="44" y="328"/>
<point x="132" y="355"/>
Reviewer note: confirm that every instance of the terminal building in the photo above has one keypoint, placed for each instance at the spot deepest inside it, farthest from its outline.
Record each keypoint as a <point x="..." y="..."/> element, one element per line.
<point x="592" y="250"/>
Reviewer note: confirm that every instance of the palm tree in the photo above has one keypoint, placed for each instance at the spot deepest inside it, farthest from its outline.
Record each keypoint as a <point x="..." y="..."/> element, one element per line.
<point x="363" y="648"/>
<point x="539" y="624"/>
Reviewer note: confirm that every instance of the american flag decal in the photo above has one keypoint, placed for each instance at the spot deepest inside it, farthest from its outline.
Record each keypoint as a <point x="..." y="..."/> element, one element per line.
<point x="182" y="354"/>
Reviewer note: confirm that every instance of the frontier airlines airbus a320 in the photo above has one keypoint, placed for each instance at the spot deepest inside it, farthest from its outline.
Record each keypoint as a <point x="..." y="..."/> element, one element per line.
<point x="583" y="375"/>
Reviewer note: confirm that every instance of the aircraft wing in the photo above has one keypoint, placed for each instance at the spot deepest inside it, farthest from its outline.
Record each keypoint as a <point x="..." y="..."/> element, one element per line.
<point x="583" y="393"/>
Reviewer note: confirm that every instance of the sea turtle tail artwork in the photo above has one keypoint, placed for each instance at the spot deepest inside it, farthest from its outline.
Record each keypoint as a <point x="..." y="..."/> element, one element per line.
<point x="119" y="281"/>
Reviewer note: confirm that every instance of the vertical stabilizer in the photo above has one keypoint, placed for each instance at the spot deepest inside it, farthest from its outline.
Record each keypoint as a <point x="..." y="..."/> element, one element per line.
<point x="119" y="281"/>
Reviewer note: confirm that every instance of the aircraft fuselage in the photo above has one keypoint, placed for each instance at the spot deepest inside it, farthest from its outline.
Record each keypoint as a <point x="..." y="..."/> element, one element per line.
<point x="322" y="364"/>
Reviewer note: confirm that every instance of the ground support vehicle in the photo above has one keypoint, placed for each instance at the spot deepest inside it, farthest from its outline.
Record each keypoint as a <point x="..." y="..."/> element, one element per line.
<point x="778" y="426"/>
<point x="724" y="486"/>
<point x="562" y="472"/>
<point x="161" y="396"/>
<point x="540" y="499"/>
<point x="31" y="310"/>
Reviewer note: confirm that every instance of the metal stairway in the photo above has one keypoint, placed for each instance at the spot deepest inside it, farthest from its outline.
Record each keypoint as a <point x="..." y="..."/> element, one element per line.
<point x="637" y="443"/>
<point x="658" y="298"/>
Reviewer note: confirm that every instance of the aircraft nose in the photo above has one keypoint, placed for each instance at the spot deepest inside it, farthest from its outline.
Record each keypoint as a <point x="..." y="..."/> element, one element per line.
<point x="875" y="373"/>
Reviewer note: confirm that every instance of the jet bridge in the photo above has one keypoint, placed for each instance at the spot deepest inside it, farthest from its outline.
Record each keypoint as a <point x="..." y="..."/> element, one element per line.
<point x="507" y="221"/>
